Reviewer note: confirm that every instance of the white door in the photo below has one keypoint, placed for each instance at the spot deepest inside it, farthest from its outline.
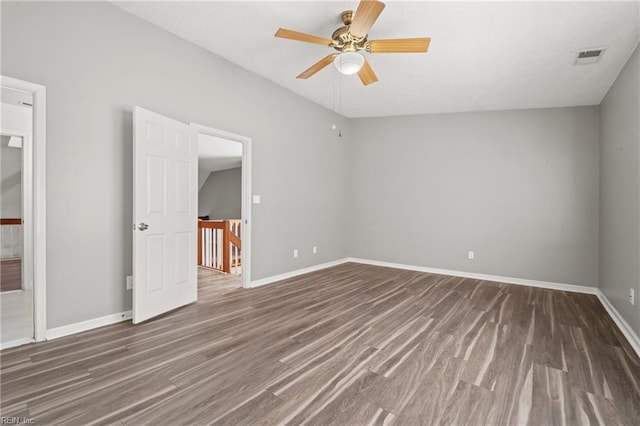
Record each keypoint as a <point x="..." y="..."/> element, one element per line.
<point x="165" y="162"/>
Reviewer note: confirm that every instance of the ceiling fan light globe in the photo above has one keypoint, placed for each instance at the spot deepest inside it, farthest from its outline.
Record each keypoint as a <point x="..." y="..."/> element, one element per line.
<point x="349" y="62"/>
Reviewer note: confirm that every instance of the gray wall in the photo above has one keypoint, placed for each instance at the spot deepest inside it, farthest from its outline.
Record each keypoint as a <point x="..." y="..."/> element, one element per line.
<point x="221" y="195"/>
<point x="620" y="192"/>
<point x="520" y="188"/>
<point x="11" y="180"/>
<point x="98" y="61"/>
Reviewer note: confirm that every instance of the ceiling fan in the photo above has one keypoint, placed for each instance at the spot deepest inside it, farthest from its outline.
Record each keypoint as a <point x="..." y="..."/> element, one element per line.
<point x="351" y="38"/>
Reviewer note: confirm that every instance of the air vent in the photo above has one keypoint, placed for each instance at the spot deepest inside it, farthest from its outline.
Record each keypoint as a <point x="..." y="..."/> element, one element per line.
<point x="589" y="56"/>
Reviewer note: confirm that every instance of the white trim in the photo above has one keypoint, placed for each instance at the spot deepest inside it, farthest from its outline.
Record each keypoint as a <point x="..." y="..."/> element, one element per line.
<point x="623" y="325"/>
<point x="485" y="277"/>
<point x="246" y="194"/>
<point x="39" y="213"/>
<point x="11" y="132"/>
<point x="286" y="275"/>
<point x="17" y="342"/>
<point x="79" y="327"/>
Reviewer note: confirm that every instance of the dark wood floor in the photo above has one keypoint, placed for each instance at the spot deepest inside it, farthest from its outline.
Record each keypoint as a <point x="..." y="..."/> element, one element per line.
<point x="10" y="274"/>
<point x="353" y="345"/>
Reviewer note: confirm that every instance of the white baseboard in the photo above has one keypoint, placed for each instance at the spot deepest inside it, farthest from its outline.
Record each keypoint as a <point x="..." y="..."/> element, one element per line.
<point x="508" y="280"/>
<point x="15" y="343"/>
<point x="623" y="325"/>
<point x="280" y="277"/>
<point x="78" y="327"/>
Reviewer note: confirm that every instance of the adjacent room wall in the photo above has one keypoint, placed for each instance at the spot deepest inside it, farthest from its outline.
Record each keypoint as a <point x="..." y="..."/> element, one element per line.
<point x="520" y="188"/>
<point x="98" y="61"/>
<point x="11" y="181"/>
<point x="13" y="118"/>
<point x="221" y="195"/>
<point x="620" y="192"/>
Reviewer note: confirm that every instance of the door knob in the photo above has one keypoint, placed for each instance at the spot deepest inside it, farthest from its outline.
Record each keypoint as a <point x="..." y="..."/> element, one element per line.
<point x="143" y="226"/>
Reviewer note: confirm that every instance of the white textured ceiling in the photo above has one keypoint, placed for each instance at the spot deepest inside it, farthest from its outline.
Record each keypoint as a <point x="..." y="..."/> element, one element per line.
<point x="483" y="55"/>
<point x="218" y="154"/>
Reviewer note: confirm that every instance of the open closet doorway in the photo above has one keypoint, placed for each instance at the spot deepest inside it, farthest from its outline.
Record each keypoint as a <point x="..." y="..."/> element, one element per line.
<point x="223" y="208"/>
<point x="22" y="230"/>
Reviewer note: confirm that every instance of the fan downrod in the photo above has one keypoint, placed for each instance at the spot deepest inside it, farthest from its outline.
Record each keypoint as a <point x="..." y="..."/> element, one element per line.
<point x="346" y="17"/>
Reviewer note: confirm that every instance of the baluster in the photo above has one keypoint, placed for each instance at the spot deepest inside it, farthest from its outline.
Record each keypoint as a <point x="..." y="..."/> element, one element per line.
<point x="209" y="247"/>
<point x="199" y="261"/>
<point x="220" y="249"/>
<point x="214" y="248"/>
<point x="206" y="247"/>
<point x="214" y="234"/>
<point x="234" y="259"/>
<point x="212" y="253"/>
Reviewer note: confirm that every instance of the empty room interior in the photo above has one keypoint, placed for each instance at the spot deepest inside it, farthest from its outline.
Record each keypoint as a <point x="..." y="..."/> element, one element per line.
<point x="320" y="212"/>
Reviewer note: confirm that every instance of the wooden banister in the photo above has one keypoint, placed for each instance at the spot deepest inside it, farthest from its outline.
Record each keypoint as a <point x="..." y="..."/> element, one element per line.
<point x="11" y="221"/>
<point x="210" y="224"/>
<point x="220" y="246"/>
<point x="233" y="238"/>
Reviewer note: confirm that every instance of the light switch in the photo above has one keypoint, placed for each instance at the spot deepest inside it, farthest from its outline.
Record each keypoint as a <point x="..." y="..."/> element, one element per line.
<point x="256" y="199"/>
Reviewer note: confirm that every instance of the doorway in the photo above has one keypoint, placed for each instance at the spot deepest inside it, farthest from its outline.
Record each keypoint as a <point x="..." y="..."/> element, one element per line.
<point x="224" y="177"/>
<point x="16" y="289"/>
<point x="22" y="230"/>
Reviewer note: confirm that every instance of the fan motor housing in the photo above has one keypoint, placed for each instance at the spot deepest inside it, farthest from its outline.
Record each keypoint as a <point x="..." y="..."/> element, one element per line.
<point x="343" y="40"/>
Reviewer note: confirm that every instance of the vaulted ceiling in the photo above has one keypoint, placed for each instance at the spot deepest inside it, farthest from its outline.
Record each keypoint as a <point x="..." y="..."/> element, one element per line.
<point x="483" y="55"/>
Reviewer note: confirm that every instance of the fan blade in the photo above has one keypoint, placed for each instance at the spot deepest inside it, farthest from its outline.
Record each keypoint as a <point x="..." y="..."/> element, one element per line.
<point x="295" y="35"/>
<point x="366" y="74"/>
<point x="317" y="66"/>
<point x="365" y="16"/>
<point x="401" y="45"/>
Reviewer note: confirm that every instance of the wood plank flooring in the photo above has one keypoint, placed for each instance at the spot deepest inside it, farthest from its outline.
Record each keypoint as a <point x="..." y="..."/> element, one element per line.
<point x="352" y="344"/>
<point x="10" y="274"/>
<point x="212" y="283"/>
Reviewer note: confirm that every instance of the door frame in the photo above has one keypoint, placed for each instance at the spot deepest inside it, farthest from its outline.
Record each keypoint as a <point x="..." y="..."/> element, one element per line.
<point x="34" y="165"/>
<point x="246" y="194"/>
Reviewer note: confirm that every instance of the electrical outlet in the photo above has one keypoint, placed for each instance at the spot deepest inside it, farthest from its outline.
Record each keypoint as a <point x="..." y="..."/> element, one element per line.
<point x="295" y="252"/>
<point x="315" y="249"/>
<point x="471" y="255"/>
<point x="129" y="282"/>
<point x="632" y="296"/>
